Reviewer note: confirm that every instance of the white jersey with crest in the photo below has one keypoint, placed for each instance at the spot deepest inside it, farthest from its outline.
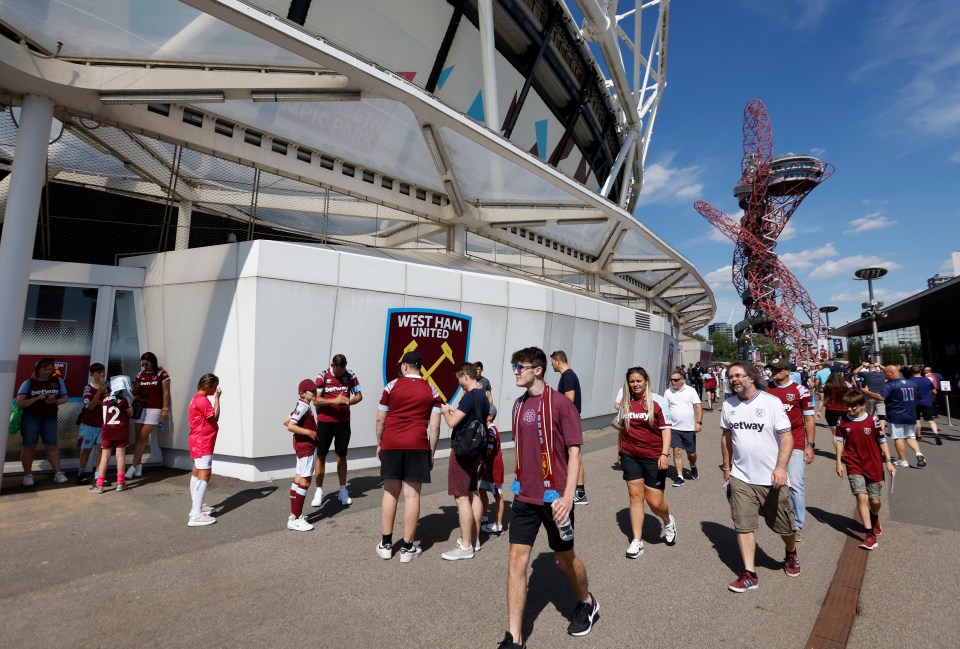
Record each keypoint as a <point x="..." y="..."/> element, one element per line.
<point x="757" y="425"/>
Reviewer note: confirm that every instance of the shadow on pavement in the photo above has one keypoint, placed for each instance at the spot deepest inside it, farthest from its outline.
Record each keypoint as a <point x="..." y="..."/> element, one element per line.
<point x="651" y="526"/>
<point x="241" y="498"/>
<point x="724" y="541"/>
<point x="547" y="585"/>
<point x="843" y="524"/>
<point x="437" y="527"/>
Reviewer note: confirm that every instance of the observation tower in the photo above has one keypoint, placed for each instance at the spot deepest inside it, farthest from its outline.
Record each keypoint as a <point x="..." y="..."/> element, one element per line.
<point x="770" y="190"/>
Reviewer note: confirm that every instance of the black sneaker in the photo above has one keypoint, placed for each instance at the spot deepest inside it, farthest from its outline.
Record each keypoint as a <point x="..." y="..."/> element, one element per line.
<point x="584" y="616"/>
<point x="508" y="643"/>
<point x="82" y="478"/>
<point x="694" y="473"/>
<point x="921" y="462"/>
<point x="939" y="441"/>
<point x="580" y="498"/>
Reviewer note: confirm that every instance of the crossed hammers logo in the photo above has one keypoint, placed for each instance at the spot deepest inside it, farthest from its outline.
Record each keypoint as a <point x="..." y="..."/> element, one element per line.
<point x="427" y="373"/>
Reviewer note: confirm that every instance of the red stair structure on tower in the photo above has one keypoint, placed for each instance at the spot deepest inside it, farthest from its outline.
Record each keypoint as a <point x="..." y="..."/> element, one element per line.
<point x="769" y="191"/>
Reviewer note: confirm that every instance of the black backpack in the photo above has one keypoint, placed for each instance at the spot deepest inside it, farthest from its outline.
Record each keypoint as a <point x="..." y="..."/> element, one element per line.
<point x="469" y="440"/>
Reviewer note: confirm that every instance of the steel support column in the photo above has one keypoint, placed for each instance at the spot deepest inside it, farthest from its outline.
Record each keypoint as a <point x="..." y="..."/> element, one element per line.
<point x="19" y="232"/>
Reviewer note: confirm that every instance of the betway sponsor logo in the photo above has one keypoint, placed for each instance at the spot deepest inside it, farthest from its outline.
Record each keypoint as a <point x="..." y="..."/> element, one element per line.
<point x="746" y="425"/>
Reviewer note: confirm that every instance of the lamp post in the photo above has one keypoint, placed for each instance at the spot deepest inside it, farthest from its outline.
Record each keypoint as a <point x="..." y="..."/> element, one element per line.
<point x="872" y="308"/>
<point x="826" y="310"/>
<point x="807" y="326"/>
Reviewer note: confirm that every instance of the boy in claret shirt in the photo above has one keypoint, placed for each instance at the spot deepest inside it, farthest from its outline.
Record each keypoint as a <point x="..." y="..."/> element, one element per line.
<point x="303" y="425"/>
<point x="91" y="420"/>
<point x="491" y="477"/>
<point x="860" y="444"/>
<point x="115" y="434"/>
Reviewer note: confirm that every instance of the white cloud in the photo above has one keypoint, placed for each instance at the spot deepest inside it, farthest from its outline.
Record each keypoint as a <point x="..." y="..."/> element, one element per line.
<point x="718" y="236"/>
<point x="946" y="266"/>
<point x="720" y="279"/>
<point x="808" y="258"/>
<point x="789" y="232"/>
<point x="818" y="151"/>
<point x="955" y="157"/>
<point x="664" y="183"/>
<point x="887" y="297"/>
<point x="873" y="221"/>
<point x="846" y="265"/>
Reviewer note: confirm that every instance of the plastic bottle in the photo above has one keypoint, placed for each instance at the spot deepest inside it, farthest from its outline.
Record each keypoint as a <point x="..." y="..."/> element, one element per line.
<point x="566" y="530"/>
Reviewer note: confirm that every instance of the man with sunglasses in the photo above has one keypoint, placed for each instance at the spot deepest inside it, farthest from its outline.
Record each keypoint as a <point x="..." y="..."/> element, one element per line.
<point x="756" y="446"/>
<point x="548" y="437"/>
<point x="686" y="412"/>
<point x="337" y="389"/>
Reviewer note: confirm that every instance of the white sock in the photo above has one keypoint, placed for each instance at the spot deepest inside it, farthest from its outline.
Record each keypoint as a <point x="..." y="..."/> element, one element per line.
<point x="198" y="492"/>
<point x="193" y="484"/>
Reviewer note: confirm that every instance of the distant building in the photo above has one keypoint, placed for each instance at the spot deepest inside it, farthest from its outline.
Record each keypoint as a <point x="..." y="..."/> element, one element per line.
<point x="722" y="327"/>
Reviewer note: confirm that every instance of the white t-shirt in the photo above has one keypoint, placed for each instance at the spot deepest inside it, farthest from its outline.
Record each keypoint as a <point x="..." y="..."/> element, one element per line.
<point x="757" y="425"/>
<point x="664" y="406"/>
<point x="682" y="404"/>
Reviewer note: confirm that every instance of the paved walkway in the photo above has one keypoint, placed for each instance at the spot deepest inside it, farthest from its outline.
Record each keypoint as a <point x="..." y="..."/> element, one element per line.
<point x="125" y="570"/>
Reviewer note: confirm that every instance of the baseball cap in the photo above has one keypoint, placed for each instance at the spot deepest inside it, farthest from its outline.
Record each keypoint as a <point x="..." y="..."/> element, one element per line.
<point x="782" y="364"/>
<point x="306" y="385"/>
<point x="412" y="358"/>
<point x="493" y="410"/>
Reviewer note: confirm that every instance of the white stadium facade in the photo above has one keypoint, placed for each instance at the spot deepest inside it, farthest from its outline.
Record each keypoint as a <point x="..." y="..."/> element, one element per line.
<point x="247" y="187"/>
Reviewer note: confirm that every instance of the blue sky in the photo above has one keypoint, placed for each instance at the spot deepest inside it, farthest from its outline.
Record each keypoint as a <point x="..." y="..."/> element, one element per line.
<point x="872" y="87"/>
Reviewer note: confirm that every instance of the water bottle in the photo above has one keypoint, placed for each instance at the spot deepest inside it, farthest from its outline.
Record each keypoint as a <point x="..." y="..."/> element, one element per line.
<point x="160" y="425"/>
<point x="566" y="530"/>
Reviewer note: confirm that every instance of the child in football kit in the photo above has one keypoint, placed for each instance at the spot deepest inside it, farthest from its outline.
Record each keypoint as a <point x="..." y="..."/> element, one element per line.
<point x="860" y="442"/>
<point x="91" y="421"/>
<point x="114" y="434"/>
<point x="204" y="420"/>
<point x="303" y="425"/>
<point x="491" y="478"/>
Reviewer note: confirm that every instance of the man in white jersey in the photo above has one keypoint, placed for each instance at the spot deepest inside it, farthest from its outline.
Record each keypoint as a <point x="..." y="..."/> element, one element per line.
<point x="756" y="447"/>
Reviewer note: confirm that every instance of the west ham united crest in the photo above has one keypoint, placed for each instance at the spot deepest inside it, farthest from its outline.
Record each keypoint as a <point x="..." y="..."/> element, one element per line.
<point x="759" y="412"/>
<point x="442" y="338"/>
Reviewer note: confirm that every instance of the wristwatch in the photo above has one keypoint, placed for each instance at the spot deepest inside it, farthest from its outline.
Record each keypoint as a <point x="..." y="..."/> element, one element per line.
<point x="811" y="445"/>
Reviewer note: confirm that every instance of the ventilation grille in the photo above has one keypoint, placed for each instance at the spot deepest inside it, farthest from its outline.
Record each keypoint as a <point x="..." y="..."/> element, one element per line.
<point x="643" y="320"/>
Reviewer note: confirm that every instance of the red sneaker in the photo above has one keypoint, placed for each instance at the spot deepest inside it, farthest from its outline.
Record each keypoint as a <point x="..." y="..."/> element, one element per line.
<point x="870" y="542"/>
<point x="877" y="530"/>
<point x="745" y="581"/>
<point x="792" y="567"/>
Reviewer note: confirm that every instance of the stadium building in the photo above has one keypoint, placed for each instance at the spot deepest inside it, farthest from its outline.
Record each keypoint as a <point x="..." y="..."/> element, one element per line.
<point x="249" y="187"/>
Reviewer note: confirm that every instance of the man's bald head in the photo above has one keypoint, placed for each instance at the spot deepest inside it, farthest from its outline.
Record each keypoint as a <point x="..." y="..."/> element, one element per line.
<point x="891" y="372"/>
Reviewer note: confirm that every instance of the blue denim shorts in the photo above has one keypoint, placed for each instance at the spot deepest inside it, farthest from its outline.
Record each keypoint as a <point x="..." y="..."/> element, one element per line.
<point x="33" y="428"/>
<point x="89" y="436"/>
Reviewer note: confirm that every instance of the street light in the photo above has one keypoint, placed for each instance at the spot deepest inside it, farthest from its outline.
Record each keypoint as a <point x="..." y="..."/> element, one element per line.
<point x="826" y="310"/>
<point x="872" y="308"/>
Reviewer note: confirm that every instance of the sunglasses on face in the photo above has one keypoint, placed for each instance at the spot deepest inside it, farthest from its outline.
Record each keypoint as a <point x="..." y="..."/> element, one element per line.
<point x="518" y="369"/>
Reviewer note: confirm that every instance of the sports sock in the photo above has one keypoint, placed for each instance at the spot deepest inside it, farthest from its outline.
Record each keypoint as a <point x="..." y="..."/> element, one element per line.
<point x="193" y="483"/>
<point x="386" y="540"/>
<point x="121" y="478"/>
<point x="406" y="545"/>
<point x="100" y="480"/>
<point x="297" y="495"/>
<point x="198" y="492"/>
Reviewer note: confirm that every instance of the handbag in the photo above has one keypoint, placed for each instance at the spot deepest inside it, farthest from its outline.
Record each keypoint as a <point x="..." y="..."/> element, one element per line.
<point x="138" y="405"/>
<point x="16" y="416"/>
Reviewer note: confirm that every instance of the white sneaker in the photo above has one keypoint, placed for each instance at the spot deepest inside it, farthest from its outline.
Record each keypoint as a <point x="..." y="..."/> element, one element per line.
<point x="635" y="549"/>
<point x="138" y="471"/>
<point x="406" y="556"/>
<point x="476" y="546"/>
<point x="344" y="497"/>
<point x="129" y="473"/>
<point x="458" y="552"/>
<point x="206" y="509"/>
<point x="201" y="520"/>
<point x="385" y="551"/>
<point x="298" y="524"/>
<point x="669" y="531"/>
<point x="59" y="478"/>
<point x="317" y="498"/>
<point x="492" y="528"/>
<point x="902" y="463"/>
<point x="28" y="480"/>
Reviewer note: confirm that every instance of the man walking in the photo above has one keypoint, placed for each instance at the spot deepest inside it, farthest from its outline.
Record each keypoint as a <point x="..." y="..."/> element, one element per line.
<point x="756" y="447"/>
<point x="799" y="408"/>
<point x="484" y="381"/>
<point x="686" y="411"/>
<point x="546" y="427"/>
<point x="337" y="390"/>
<point x="569" y="386"/>
<point x="899" y="398"/>
<point x="408" y="427"/>
<point x="926" y="403"/>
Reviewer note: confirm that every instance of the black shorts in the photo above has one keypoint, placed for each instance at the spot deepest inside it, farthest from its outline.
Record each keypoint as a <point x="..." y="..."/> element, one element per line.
<point x="526" y="521"/>
<point x="333" y="432"/>
<point x="409" y="466"/>
<point x="643" y="468"/>
<point x="833" y="417"/>
<point x="927" y="413"/>
<point x="685" y="439"/>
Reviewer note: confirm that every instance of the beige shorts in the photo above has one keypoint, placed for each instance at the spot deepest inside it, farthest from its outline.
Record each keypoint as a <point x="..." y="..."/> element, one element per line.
<point x="859" y="485"/>
<point x="874" y="407"/>
<point x="748" y="501"/>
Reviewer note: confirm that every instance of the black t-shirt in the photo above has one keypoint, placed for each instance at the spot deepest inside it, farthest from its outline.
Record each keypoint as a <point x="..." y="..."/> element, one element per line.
<point x="474" y="399"/>
<point x="569" y="381"/>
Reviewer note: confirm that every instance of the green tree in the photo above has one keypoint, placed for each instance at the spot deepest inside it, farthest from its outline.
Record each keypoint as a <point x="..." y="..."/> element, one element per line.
<point x="724" y="349"/>
<point x="768" y="350"/>
<point x="699" y="337"/>
<point x="855" y="353"/>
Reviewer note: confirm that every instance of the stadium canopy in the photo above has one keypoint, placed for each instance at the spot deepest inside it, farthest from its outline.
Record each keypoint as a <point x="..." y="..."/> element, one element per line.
<point x="226" y="107"/>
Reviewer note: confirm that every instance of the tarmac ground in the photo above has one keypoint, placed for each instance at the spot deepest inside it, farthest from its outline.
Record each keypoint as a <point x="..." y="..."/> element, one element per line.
<point x="124" y="570"/>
